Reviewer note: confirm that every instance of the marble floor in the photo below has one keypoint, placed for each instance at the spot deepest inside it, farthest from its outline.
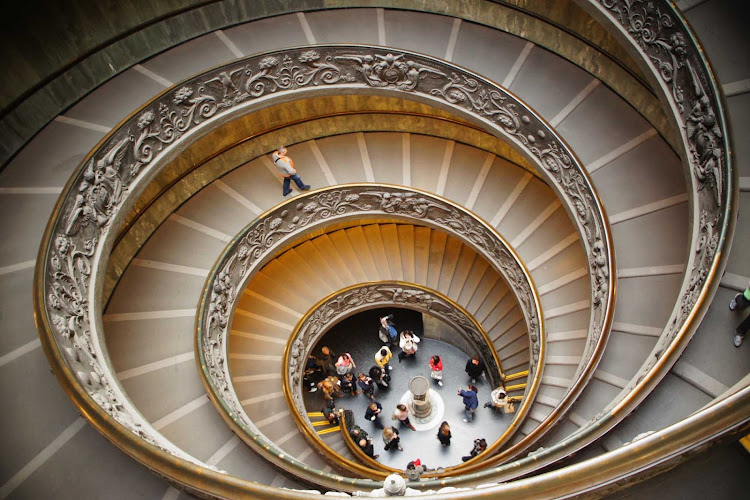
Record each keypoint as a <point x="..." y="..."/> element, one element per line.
<point x="358" y="336"/>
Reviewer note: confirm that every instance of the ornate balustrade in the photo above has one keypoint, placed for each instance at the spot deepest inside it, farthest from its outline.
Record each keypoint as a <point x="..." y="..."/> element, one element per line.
<point x="79" y="236"/>
<point x="262" y="239"/>
<point x="352" y="300"/>
<point x="659" y="36"/>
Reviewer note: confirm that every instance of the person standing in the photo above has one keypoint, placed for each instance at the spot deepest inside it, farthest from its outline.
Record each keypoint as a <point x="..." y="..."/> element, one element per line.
<point x="498" y="399"/>
<point x="313" y="374"/>
<point x="285" y="166"/>
<point x="328" y="360"/>
<point x="474" y="368"/>
<point x="471" y="402"/>
<point x="382" y="357"/>
<point x="331" y="415"/>
<point x="380" y="376"/>
<point x="738" y="303"/>
<point x="345" y="364"/>
<point x="408" y="344"/>
<point x="373" y="412"/>
<point x="358" y="433"/>
<point x="391" y="439"/>
<point x="367" y="385"/>
<point x="349" y="385"/>
<point x="444" y="434"/>
<point x="365" y="444"/>
<point x="436" y="367"/>
<point x="388" y="331"/>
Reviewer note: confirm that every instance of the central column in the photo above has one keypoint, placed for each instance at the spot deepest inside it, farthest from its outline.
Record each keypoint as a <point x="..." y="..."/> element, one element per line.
<point x="419" y="387"/>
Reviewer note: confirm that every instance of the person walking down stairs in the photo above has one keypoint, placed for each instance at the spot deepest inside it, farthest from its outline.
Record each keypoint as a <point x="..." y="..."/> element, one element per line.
<point x="285" y="166"/>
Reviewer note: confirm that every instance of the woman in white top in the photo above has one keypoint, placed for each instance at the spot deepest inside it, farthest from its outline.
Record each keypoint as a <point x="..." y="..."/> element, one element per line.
<point x="408" y="344"/>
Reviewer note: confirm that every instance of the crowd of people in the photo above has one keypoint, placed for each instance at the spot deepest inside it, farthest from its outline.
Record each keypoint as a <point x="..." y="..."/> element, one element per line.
<point x="334" y="376"/>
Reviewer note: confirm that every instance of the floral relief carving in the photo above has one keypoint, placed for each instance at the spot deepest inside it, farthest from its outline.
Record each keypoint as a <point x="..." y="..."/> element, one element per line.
<point x="667" y="44"/>
<point x="107" y="179"/>
<point x="114" y="172"/>
<point x="275" y="229"/>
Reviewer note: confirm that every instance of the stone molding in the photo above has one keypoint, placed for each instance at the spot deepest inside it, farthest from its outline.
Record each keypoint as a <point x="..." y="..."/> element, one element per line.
<point x="79" y="236"/>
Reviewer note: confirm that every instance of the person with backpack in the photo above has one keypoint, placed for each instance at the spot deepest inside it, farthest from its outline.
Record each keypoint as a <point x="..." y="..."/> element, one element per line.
<point x="380" y="376"/>
<point x="285" y="166"/>
<point x="387" y="331"/>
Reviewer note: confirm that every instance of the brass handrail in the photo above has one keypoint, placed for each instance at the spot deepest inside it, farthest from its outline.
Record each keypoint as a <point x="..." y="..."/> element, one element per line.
<point x="354" y="448"/>
<point x="280" y="226"/>
<point x="357" y="298"/>
<point x="81" y="225"/>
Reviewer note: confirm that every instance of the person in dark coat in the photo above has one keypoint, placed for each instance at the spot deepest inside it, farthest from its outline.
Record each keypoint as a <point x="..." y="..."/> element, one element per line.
<point x="331" y="415"/>
<point x="444" y="434"/>
<point x="328" y="360"/>
<point x="367" y="385"/>
<point x="474" y="368"/>
<point x="365" y="444"/>
<point x="380" y="376"/>
<point x="357" y="433"/>
<point x="391" y="439"/>
<point x="479" y="446"/>
<point x="373" y="414"/>
<point x="471" y="402"/>
<point x="349" y="385"/>
<point x="313" y="374"/>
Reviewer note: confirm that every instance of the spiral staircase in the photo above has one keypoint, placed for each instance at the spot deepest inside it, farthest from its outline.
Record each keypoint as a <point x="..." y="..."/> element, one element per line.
<point x="592" y="407"/>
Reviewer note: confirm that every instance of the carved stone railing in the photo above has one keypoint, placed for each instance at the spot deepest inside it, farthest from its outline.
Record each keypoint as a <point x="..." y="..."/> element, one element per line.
<point x="355" y="299"/>
<point x="76" y="244"/>
<point x="282" y="226"/>
<point x="352" y="300"/>
<point x="660" y="37"/>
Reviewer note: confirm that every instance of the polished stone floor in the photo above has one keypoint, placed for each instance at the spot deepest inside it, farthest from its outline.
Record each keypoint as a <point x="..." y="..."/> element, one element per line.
<point x="358" y="336"/>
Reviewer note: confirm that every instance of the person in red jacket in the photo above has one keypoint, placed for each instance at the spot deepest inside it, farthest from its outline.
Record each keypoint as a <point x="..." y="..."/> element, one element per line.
<point x="436" y="367"/>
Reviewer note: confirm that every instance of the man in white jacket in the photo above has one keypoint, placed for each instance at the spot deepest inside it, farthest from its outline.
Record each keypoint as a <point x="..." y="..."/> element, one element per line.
<point x="285" y="166"/>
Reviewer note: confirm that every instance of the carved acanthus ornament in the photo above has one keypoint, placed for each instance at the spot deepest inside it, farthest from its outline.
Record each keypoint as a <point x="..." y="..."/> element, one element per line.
<point x="665" y="42"/>
<point x="111" y="178"/>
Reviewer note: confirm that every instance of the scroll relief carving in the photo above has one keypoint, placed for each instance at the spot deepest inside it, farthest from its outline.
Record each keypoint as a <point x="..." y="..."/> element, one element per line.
<point x="661" y="35"/>
<point x="352" y="300"/>
<point x="114" y="174"/>
<point x="269" y="233"/>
